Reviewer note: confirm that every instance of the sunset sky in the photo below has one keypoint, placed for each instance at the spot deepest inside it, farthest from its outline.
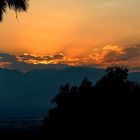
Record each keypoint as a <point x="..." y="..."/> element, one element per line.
<point x="74" y="32"/>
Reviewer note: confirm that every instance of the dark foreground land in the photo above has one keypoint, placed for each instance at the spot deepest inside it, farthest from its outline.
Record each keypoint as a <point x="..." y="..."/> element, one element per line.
<point x="20" y="128"/>
<point x="110" y="108"/>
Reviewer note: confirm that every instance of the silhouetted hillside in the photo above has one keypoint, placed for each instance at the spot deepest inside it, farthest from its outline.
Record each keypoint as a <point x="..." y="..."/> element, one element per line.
<point x="29" y="94"/>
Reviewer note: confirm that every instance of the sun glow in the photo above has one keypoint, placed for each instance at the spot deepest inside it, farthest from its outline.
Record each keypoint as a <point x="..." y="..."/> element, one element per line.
<point x="85" y="32"/>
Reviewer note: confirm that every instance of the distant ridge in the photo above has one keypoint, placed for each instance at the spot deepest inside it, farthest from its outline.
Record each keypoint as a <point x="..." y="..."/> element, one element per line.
<point x="29" y="94"/>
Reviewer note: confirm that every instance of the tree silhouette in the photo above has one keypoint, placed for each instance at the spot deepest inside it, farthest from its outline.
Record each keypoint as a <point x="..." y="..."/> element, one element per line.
<point x="115" y="82"/>
<point x="16" y="5"/>
<point x="109" y="108"/>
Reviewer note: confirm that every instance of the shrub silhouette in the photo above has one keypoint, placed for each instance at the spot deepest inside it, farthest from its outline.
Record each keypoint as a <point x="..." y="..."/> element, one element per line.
<point x="109" y="108"/>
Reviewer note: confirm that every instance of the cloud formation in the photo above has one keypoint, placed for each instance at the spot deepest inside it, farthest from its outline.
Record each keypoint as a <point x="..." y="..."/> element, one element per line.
<point x="128" y="56"/>
<point x="30" y="58"/>
<point x="99" y="57"/>
<point x="27" y="62"/>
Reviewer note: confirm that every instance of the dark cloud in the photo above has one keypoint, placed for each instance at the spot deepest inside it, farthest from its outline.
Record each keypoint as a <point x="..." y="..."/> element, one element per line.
<point x="4" y="57"/>
<point x="58" y="56"/>
<point x="111" y="56"/>
<point x="19" y="62"/>
<point x="131" y="53"/>
<point x="26" y="57"/>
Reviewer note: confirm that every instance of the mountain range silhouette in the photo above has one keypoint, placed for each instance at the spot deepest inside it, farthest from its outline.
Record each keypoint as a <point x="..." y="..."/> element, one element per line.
<point x="29" y="94"/>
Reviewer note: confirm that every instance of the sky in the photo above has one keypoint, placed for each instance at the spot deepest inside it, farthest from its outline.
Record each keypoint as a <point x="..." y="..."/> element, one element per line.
<point x="94" y="33"/>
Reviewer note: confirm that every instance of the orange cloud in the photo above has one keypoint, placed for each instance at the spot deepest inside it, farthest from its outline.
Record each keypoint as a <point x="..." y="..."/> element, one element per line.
<point x="39" y="59"/>
<point x="99" y="54"/>
<point x="99" y="57"/>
